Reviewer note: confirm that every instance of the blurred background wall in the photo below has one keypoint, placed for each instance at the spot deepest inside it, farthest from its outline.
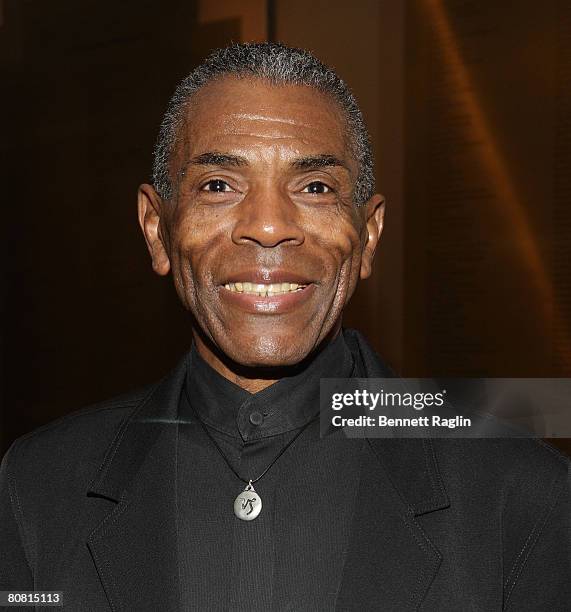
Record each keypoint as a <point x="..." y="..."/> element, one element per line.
<point x="469" y="107"/>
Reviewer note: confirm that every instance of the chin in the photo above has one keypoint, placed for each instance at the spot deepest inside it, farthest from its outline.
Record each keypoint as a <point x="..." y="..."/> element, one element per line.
<point x="267" y="351"/>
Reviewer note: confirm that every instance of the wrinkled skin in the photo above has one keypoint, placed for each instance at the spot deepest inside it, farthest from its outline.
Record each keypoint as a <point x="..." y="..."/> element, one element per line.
<point x="261" y="213"/>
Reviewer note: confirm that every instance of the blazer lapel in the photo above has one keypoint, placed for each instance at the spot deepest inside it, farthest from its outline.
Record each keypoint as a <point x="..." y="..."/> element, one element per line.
<point x="390" y="561"/>
<point x="135" y="547"/>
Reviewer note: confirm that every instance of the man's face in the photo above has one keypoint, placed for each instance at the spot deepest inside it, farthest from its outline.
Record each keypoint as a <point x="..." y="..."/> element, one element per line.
<point x="262" y="236"/>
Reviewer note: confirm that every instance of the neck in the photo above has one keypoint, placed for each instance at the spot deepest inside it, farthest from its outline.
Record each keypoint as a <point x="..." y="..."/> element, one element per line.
<point x="249" y="378"/>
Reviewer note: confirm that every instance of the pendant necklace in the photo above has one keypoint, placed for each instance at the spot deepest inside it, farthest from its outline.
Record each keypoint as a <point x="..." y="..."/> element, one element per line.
<point x="248" y="504"/>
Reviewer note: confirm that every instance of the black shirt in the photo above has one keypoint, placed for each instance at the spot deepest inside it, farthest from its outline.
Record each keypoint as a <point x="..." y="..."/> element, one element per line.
<point x="290" y="557"/>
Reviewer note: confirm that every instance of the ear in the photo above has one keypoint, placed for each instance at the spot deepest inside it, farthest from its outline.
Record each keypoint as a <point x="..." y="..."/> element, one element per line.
<point x="149" y="206"/>
<point x="375" y="214"/>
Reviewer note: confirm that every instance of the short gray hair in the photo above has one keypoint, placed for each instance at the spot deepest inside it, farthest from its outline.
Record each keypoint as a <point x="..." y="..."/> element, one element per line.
<point x="280" y="65"/>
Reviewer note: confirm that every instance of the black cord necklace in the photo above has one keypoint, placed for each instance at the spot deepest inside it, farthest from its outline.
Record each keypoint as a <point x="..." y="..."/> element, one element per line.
<point x="248" y="504"/>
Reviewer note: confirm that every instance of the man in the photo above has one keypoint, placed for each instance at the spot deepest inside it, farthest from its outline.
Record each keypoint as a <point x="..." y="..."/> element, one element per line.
<point x="212" y="489"/>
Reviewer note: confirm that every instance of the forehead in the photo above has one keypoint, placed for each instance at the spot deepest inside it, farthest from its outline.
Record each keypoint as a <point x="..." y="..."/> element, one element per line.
<point x="252" y="116"/>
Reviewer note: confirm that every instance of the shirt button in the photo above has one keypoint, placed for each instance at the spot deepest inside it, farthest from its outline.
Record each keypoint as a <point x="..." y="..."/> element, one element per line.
<point x="256" y="418"/>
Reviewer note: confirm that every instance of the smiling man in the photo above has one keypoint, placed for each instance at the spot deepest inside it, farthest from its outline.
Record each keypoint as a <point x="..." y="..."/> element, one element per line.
<point x="212" y="489"/>
<point x="254" y="211"/>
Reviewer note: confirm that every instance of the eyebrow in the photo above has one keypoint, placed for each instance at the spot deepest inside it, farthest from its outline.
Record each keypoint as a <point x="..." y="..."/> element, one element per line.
<point x="213" y="158"/>
<point x="314" y="162"/>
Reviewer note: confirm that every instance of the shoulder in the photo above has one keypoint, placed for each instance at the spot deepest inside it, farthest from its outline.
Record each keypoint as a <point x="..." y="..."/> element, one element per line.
<point x="504" y="463"/>
<point x="517" y="478"/>
<point x="515" y="495"/>
<point x="521" y="485"/>
<point x="80" y="437"/>
<point x="501" y="476"/>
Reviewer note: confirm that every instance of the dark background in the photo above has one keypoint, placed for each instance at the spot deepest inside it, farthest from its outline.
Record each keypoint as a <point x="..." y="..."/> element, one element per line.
<point x="469" y="107"/>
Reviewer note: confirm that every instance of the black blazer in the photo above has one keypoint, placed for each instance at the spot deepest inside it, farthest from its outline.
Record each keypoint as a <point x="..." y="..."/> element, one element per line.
<point x="87" y="507"/>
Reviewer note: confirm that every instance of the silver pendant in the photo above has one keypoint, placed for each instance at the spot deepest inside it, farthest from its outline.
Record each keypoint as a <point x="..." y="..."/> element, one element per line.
<point x="248" y="504"/>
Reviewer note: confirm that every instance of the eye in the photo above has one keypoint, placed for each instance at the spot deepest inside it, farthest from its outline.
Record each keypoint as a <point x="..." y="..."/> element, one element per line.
<point x="317" y="187"/>
<point x="217" y="186"/>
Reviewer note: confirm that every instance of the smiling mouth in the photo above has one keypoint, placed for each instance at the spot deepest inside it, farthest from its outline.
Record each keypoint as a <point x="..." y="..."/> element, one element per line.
<point x="264" y="290"/>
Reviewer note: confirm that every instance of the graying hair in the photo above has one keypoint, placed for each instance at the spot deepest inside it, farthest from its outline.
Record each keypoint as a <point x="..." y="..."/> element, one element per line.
<point x="280" y="65"/>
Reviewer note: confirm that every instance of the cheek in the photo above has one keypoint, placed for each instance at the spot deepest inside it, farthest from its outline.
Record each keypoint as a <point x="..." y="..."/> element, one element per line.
<point x="342" y="244"/>
<point x="193" y="246"/>
<point x="345" y="247"/>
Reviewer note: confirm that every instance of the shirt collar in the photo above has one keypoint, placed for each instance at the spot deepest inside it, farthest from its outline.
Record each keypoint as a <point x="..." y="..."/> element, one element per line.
<point x="284" y="406"/>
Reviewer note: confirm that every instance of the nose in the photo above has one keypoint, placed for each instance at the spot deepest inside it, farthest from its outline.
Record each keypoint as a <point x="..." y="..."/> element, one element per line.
<point x="267" y="217"/>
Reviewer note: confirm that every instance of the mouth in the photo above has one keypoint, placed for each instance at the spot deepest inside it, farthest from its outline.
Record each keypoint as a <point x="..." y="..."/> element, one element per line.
<point x="248" y="294"/>
<point x="264" y="289"/>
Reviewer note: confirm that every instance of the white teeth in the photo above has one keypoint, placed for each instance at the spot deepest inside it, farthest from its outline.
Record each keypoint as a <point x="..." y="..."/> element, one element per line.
<point x="261" y="289"/>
